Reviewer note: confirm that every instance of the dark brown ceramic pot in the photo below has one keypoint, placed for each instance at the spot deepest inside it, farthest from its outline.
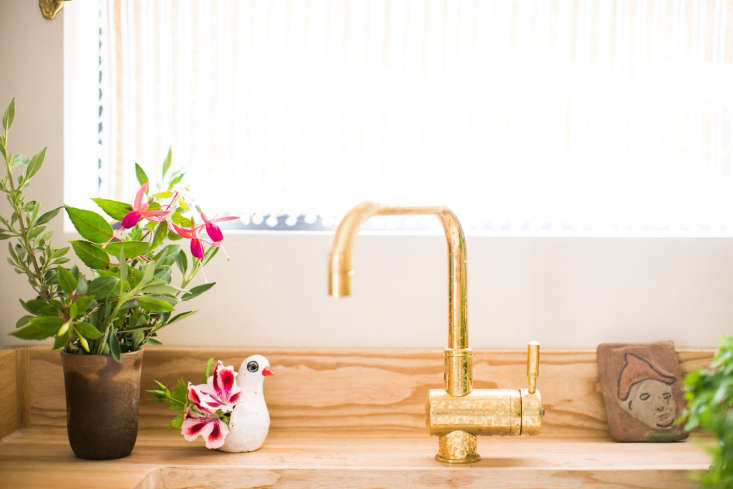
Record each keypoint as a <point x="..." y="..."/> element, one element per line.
<point x="102" y="398"/>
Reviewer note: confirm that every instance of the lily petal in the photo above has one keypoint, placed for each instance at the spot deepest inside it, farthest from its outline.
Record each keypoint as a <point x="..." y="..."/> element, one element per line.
<point x="213" y="430"/>
<point x="204" y="400"/>
<point x="215" y="437"/>
<point x="223" y="383"/>
<point x="194" y="426"/>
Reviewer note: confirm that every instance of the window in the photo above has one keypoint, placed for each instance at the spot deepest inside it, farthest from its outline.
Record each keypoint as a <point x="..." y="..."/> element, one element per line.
<point x="580" y="118"/>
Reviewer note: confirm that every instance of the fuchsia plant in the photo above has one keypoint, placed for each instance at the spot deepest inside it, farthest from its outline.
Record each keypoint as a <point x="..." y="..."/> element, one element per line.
<point x="127" y="294"/>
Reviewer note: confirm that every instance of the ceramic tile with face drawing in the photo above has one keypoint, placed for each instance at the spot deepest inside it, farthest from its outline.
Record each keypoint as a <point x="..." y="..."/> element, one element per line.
<point x="642" y="390"/>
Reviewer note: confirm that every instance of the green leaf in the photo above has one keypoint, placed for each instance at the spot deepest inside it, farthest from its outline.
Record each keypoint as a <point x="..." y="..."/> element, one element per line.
<point x="40" y="328"/>
<point x="114" y="209"/>
<point x="177" y="422"/>
<point x="167" y="161"/>
<point x="100" y="287"/>
<point x="35" y="164"/>
<point x="38" y="307"/>
<point x="142" y="178"/>
<point x="160" y="233"/>
<point x="163" y="289"/>
<point x="18" y="160"/>
<point x="210" y="363"/>
<point x="180" y="391"/>
<point x="176" y="179"/>
<point x="197" y="291"/>
<point x="148" y="272"/>
<point x="210" y="254"/>
<point x="114" y="347"/>
<point x="182" y="261"/>
<point x="154" y="305"/>
<point x="47" y="216"/>
<point x="180" y="220"/>
<point x="67" y="282"/>
<point x="80" y="306"/>
<point x="82" y="286"/>
<point x="23" y="321"/>
<point x="179" y="317"/>
<point x="34" y="232"/>
<point x="92" y="255"/>
<point x="90" y="225"/>
<point x="88" y="330"/>
<point x="123" y="270"/>
<point x="9" y="115"/>
<point x="132" y="248"/>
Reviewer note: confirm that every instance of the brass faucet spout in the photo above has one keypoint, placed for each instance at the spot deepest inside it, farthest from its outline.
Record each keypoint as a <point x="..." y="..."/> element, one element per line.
<point x="339" y="275"/>
<point x="457" y="414"/>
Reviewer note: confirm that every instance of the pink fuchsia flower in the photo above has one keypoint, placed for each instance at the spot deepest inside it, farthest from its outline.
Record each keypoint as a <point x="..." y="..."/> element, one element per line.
<point x="213" y="430"/>
<point x="197" y="247"/>
<point x="212" y="229"/>
<point x="141" y="210"/>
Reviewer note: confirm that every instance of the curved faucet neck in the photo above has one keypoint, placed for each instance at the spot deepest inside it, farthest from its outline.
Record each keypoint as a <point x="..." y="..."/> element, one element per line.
<point x="339" y="277"/>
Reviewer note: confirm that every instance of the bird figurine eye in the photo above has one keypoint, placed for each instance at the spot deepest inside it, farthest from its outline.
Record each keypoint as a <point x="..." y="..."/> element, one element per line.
<point x="252" y="367"/>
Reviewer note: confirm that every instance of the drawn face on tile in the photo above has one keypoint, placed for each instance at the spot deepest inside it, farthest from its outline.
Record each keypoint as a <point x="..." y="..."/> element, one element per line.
<point x="651" y="402"/>
<point x="645" y="392"/>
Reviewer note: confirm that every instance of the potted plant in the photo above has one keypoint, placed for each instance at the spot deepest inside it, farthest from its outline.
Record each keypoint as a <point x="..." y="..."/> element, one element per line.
<point x="100" y="315"/>
<point x="709" y="394"/>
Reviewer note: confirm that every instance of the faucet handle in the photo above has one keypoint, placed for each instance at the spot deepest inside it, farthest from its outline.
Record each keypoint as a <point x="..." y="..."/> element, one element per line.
<point x="533" y="365"/>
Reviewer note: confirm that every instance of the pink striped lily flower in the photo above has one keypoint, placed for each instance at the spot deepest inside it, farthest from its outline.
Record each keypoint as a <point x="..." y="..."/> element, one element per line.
<point x="213" y="430"/>
<point x="219" y="394"/>
<point x="141" y="210"/>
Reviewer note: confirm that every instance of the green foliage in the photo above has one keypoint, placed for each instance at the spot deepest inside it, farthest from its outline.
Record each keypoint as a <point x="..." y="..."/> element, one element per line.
<point x="210" y="364"/>
<point x="709" y="394"/>
<point x="92" y="256"/>
<point x="115" y="210"/>
<point x="126" y="297"/>
<point x="197" y="291"/>
<point x="90" y="225"/>
<point x="142" y="178"/>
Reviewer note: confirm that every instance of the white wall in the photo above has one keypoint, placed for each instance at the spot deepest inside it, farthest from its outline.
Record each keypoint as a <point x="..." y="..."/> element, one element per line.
<point x="565" y="292"/>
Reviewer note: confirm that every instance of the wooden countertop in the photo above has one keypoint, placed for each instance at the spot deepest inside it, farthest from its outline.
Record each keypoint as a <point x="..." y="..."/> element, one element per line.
<point x="41" y="458"/>
<point x="340" y="418"/>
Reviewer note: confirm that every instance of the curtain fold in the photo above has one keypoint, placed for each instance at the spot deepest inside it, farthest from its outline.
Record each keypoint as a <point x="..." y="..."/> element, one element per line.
<point x="527" y="117"/>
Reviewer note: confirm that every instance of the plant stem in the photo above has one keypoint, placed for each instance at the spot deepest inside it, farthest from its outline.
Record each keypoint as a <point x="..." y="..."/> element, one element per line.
<point x="43" y="292"/>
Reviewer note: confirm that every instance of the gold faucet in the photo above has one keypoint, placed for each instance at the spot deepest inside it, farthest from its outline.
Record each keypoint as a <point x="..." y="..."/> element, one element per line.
<point x="457" y="414"/>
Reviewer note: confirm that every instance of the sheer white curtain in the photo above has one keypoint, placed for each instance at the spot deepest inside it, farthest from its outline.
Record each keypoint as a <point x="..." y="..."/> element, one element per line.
<point x="528" y="117"/>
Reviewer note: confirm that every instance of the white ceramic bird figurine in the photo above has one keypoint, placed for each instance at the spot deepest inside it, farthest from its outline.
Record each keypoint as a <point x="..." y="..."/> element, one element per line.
<point x="250" y="420"/>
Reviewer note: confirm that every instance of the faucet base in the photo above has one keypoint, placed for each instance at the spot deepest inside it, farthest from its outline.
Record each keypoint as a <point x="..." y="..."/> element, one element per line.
<point x="457" y="447"/>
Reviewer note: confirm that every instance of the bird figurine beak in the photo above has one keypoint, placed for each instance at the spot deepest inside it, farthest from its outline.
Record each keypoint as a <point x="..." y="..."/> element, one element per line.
<point x="267" y="371"/>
